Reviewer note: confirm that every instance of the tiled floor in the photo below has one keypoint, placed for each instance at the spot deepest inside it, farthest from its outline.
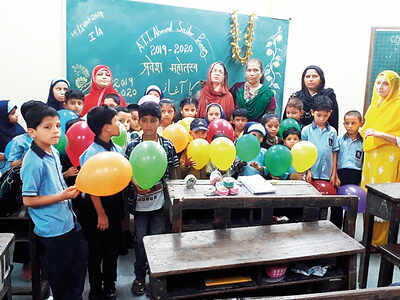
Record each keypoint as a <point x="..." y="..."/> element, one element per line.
<point x="126" y="276"/>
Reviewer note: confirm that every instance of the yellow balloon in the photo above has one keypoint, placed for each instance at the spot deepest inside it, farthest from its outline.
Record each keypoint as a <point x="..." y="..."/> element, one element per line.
<point x="185" y="122"/>
<point x="199" y="151"/>
<point x="222" y="153"/>
<point x="304" y="155"/>
<point x="104" y="174"/>
<point x="178" y="135"/>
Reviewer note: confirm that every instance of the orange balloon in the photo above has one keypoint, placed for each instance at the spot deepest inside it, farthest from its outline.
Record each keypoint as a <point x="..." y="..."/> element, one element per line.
<point x="104" y="174"/>
<point x="178" y="135"/>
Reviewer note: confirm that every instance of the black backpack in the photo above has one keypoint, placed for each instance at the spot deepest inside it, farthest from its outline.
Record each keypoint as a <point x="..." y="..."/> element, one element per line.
<point x="10" y="192"/>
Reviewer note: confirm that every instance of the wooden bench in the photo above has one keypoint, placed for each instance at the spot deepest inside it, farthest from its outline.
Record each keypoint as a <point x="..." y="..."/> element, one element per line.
<point x="39" y="288"/>
<point x="289" y="193"/>
<point x="384" y="293"/>
<point x="6" y="243"/>
<point x="383" y="200"/>
<point x="181" y="262"/>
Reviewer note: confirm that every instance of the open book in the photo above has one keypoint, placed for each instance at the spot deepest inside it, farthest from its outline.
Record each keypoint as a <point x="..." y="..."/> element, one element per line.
<point x="256" y="184"/>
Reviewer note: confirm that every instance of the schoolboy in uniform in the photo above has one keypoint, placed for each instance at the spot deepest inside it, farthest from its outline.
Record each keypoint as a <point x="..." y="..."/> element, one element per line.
<point x="74" y="101"/>
<point x="48" y="200"/>
<point x="102" y="223"/>
<point x="239" y="121"/>
<point x="350" y="158"/>
<point x="324" y="137"/>
<point x="149" y="209"/>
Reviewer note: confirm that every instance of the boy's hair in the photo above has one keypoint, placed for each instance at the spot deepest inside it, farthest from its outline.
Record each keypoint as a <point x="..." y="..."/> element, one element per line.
<point x="114" y="97"/>
<point x="351" y="113"/>
<point x="322" y="102"/>
<point x="189" y="100"/>
<point x="239" y="112"/>
<point x="290" y="131"/>
<point x="133" y="107"/>
<point x="149" y="109"/>
<point x="168" y="102"/>
<point x="27" y="106"/>
<point x="295" y="102"/>
<point x="99" y="116"/>
<point x="74" y="94"/>
<point x="121" y="108"/>
<point x="268" y="116"/>
<point x="35" y="115"/>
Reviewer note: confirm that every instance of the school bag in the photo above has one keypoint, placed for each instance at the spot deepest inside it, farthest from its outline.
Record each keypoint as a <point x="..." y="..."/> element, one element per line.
<point x="10" y="192"/>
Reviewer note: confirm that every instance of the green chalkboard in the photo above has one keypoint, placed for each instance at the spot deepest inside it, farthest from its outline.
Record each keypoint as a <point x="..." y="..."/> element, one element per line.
<point x="172" y="47"/>
<point x="384" y="54"/>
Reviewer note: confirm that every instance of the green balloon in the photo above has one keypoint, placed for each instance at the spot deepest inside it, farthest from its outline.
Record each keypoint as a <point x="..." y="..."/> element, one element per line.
<point x="278" y="160"/>
<point x="286" y="124"/>
<point x="62" y="143"/>
<point x="120" y="139"/>
<point x="247" y="147"/>
<point x="149" y="163"/>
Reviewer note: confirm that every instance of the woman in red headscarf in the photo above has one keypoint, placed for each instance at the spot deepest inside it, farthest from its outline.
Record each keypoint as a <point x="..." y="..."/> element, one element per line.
<point x="100" y="87"/>
<point x="216" y="91"/>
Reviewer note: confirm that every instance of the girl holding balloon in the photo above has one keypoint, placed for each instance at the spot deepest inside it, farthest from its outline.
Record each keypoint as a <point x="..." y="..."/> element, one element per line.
<point x="271" y="123"/>
<point x="168" y="112"/>
<point x="157" y="154"/>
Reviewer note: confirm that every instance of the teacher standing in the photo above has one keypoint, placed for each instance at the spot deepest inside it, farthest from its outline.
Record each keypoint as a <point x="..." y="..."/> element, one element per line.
<point x="253" y="94"/>
<point x="313" y="84"/>
<point x="381" y="152"/>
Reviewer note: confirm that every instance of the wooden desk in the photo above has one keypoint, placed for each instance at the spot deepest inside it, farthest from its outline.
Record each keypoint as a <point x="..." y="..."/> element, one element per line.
<point x="194" y="256"/>
<point x="383" y="200"/>
<point x="6" y="242"/>
<point x="383" y="293"/>
<point x="290" y="193"/>
<point x="40" y="288"/>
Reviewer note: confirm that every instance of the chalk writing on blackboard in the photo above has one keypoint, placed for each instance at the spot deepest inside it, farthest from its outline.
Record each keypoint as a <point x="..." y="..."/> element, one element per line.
<point x="275" y="52"/>
<point x="93" y="35"/>
<point x="81" y="27"/>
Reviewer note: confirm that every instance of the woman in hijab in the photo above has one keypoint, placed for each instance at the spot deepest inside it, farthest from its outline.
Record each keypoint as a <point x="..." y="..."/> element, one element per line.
<point x="57" y="90"/>
<point x="382" y="156"/>
<point x="313" y="84"/>
<point x="253" y="94"/>
<point x="9" y="127"/>
<point x="216" y="90"/>
<point x="101" y="85"/>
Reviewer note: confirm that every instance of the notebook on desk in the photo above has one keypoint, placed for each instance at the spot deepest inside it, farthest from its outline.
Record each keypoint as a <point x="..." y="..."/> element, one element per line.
<point x="256" y="184"/>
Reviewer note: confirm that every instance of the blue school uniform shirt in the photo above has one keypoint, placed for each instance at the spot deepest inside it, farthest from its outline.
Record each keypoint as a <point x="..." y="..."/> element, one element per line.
<point x="95" y="148"/>
<point x="326" y="141"/>
<point x="247" y="170"/>
<point x="41" y="175"/>
<point x="18" y="147"/>
<point x="350" y="153"/>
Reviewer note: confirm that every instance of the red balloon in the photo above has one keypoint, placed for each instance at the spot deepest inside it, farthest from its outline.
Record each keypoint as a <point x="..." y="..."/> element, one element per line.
<point x="80" y="137"/>
<point x="220" y="126"/>
<point x="324" y="187"/>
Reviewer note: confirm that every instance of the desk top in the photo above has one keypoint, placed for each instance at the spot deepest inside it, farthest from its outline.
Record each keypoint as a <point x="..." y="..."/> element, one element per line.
<point x="177" y="189"/>
<point x="5" y="240"/>
<point x="188" y="252"/>
<point x="390" y="191"/>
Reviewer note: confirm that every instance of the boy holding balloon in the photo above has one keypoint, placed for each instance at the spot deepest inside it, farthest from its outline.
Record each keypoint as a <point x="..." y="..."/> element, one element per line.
<point x="324" y="137"/>
<point x="48" y="200"/>
<point x="350" y="158"/>
<point x="146" y="154"/>
<point x="102" y="216"/>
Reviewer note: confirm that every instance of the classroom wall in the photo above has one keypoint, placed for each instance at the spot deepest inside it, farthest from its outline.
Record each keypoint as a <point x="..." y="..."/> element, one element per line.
<point x="332" y="34"/>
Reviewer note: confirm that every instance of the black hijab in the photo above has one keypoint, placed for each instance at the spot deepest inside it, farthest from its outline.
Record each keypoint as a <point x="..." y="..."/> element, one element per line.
<point x="308" y="100"/>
